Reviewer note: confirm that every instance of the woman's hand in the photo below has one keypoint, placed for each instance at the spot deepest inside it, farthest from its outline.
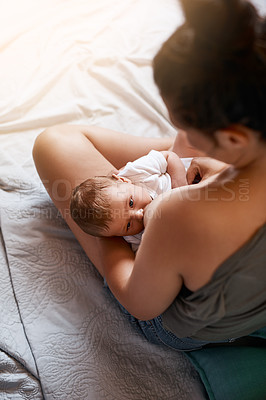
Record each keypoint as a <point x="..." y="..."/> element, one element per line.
<point x="201" y="168"/>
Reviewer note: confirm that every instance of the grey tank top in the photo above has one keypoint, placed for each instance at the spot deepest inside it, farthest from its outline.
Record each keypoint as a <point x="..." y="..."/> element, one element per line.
<point x="232" y="304"/>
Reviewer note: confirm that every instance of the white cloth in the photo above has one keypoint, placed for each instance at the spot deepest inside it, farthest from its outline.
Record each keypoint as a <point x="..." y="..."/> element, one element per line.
<point x="151" y="172"/>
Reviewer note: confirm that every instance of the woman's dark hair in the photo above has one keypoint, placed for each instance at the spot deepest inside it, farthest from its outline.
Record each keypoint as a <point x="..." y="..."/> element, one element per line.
<point x="212" y="69"/>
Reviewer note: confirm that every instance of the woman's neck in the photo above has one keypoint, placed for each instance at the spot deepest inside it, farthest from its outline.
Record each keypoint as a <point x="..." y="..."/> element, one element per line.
<point x="256" y="167"/>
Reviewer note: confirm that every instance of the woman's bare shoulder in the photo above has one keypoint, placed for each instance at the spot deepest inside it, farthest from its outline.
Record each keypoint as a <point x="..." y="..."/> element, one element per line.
<point x="191" y="231"/>
<point x="178" y="216"/>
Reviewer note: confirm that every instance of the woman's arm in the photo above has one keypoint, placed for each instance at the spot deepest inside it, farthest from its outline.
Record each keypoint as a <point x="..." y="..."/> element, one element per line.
<point x="148" y="285"/>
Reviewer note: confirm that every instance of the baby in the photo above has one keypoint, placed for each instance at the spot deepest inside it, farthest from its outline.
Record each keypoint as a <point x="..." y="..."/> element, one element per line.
<point x="114" y="205"/>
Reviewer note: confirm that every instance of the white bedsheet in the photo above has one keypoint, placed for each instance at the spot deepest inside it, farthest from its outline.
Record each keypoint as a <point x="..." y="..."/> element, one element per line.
<point x="61" y="335"/>
<point x="82" y="61"/>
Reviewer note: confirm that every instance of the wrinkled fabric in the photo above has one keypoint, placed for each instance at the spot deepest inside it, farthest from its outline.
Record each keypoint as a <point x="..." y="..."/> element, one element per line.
<point x="61" y="336"/>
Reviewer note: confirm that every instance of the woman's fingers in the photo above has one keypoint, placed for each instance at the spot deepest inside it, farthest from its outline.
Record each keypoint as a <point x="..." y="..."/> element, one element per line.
<point x="204" y="167"/>
<point x="194" y="174"/>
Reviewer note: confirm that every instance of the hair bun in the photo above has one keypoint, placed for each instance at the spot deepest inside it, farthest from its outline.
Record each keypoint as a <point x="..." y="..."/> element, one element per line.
<point x="228" y="24"/>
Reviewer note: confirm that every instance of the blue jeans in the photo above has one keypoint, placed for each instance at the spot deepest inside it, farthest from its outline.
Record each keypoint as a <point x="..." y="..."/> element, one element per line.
<point x="154" y="331"/>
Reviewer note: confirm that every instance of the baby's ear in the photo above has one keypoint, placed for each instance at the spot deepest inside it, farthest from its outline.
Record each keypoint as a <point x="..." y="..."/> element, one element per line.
<point x="121" y="178"/>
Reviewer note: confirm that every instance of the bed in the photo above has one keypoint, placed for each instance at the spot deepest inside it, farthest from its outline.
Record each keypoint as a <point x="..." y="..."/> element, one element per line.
<point x="61" y="334"/>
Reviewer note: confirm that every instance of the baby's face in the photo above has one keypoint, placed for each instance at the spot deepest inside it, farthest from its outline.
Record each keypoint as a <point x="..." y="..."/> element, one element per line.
<point x="127" y="204"/>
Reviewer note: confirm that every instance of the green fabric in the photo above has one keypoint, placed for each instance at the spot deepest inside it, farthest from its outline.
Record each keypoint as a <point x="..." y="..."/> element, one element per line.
<point x="232" y="373"/>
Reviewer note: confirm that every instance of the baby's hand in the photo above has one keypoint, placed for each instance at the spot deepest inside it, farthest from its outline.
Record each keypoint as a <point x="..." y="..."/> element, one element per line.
<point x="175" y="169"/>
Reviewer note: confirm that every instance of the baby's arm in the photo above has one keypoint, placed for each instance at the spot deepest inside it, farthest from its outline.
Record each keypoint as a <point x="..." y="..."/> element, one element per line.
<point x="175" y="169"/>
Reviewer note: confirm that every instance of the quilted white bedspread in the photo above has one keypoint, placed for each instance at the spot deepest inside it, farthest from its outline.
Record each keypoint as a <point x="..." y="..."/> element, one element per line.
<point x="61" y="335"/>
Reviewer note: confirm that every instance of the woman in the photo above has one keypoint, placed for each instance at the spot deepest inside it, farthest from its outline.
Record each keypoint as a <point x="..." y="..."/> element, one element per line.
<point x="199" y="274"/>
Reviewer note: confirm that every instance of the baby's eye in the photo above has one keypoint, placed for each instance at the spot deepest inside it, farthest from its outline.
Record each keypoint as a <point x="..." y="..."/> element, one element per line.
<point x="128" y="226"/>
<point x="131" y="202"/>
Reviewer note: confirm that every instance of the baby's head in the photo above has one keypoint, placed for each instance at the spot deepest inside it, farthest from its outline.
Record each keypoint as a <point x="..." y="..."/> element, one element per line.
<point x="109" y="206"/>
